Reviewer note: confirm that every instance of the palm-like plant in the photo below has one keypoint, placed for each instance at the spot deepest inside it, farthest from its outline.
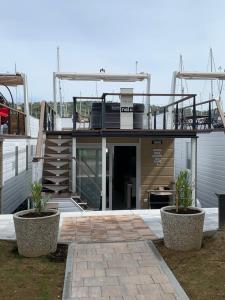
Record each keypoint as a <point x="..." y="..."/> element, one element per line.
<point x="39" y="201"/>
<point x="183" y="191"/>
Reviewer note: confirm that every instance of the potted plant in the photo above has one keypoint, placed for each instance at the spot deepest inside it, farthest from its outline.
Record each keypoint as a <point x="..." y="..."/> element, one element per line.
<point x="183" y="224"/>
<point x="37" y="229"/>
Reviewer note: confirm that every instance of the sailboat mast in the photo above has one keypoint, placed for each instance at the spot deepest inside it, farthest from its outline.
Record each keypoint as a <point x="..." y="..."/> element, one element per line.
<point x="211" y="69"/>
<point x="60" y="89"/>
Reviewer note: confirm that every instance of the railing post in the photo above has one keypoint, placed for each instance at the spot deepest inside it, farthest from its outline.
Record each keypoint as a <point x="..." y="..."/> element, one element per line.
<point x="45" y="124"/>
<point x="182" y="118"/>
<point x="194" y="113"/>
<point x="164" y="118"/>
<point x="74" y="113"/>
<point x="18" y="124"/>
<point x="49" y="118"/>
<point x="155" y="119"/>
<point x="103" y="111"/>
<point x="52" y="120"/>
<point x="176" y="116"/>
<point x="9" y="122"/>
<point x="209" y="116"/>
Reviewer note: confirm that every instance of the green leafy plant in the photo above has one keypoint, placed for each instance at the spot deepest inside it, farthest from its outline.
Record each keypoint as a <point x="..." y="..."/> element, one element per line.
<point x="39" y="201"/>
<point x="183" y="190"/>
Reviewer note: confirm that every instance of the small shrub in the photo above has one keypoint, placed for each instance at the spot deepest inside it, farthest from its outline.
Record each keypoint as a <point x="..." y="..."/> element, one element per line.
<point x="183" y="190"/>
<point x="39" y="201"/>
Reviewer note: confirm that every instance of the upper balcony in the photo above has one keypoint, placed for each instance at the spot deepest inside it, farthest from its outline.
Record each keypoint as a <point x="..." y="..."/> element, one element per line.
<point x="119" y="114"/>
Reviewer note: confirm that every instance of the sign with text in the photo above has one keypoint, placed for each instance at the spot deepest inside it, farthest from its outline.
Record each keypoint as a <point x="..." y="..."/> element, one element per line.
<point x="126" y="109"/>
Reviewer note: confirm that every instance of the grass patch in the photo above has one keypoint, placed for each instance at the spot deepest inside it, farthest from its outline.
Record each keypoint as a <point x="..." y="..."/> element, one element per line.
<point x="201" y="273"/>
<point x="31" y="278"/>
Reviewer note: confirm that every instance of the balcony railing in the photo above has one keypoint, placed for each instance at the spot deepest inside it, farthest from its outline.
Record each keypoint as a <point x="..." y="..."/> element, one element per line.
<point x="12" y="121"/>
<point x="183" y="114"/>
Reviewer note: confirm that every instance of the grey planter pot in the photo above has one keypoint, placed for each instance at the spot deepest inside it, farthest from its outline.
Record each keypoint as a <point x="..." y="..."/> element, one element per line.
<point x="36" y="236"/>
<point x="182" y="232"/>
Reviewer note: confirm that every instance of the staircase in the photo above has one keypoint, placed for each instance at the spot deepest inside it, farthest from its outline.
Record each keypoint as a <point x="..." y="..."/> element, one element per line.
<point x="57" y="163"/>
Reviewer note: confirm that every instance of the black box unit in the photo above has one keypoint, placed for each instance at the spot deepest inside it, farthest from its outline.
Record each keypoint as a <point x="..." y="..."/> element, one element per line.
<point x="112" y="115"/>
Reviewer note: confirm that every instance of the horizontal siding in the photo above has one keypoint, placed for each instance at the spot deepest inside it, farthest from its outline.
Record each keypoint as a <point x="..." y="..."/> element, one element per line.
<point x="210" y="166"/>
<point x="15" y="189"/>
<point x="153" y="175"/>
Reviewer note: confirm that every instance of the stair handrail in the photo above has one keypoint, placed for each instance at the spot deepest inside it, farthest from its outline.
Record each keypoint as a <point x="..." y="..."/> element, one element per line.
<point x="78" y="162"/>
<point x="71" y="158"/>
<point x="45" y="110"/>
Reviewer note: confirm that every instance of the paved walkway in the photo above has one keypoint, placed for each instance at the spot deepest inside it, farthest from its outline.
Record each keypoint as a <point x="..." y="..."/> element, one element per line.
<point x="112" y="228"/>
<point x="111" y="259"/>
<point x="111" y="255"/>
<point x="120" y="271"/>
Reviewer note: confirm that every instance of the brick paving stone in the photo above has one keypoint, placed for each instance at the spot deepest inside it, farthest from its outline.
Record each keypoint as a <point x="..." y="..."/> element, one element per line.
<point x="118" y="274"/>
<point x="105" y="228"/>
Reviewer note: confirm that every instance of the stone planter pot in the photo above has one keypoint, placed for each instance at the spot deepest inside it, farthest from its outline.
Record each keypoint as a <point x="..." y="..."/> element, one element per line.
<point x="182" y="232"/>
<point x="36" y="236"/>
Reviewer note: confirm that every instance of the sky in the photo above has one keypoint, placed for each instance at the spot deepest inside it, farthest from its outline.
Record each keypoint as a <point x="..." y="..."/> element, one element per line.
<point x="113" y="35"/>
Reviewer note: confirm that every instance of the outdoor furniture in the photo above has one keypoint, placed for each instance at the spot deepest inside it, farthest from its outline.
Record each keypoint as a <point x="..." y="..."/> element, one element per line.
<point x="159" y="198"/>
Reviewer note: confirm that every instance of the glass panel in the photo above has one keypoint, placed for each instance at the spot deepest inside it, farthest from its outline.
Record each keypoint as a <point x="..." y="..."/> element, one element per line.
<point x="89" y="176"/>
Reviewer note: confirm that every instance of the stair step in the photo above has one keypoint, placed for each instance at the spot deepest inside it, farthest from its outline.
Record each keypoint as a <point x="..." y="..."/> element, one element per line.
<point x="57" y="164"/>
<point x="56" y="171"/>
<point x="58" y="142"/>
<point x="56" y="179"/>
<point x="57" y="148"/>
<point x="57" y="155"/>
<point x="55" y="188"/>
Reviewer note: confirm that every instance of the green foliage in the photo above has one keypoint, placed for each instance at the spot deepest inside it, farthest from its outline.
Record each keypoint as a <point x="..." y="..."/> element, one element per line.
<point x="39" y="201"/>
<point x="183" y="190"/>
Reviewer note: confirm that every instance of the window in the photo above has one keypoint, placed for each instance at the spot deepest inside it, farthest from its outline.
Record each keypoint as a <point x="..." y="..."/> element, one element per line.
<point x="188" y="155"/>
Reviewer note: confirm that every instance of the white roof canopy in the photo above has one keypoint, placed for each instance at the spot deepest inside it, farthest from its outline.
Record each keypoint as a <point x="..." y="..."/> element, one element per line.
<point x="11" y="79"/>
<point x="201" y="75"/>
<point x="102" y="76"/>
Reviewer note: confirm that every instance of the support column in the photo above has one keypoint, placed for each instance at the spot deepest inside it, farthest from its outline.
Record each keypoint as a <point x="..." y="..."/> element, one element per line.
<point x="54" y="92"/>
<point x="26" y="105"/>
<point x="103" y="173"/>
<point x="194" y="170"/>
<point x="74" y="154"/>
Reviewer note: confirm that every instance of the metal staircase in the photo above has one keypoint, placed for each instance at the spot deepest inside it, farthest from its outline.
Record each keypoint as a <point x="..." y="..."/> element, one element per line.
<point x="57" y="164"/>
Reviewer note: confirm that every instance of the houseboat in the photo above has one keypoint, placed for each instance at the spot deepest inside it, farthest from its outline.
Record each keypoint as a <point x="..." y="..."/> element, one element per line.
<point x="211" y="143"/>
<point x="18" y="137"/>
<point x="124" y="157"/>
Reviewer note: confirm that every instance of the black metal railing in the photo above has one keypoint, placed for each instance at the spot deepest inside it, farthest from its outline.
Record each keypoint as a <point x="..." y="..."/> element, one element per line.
<point x="49" y="117"/>
<point x="182" y="116"/>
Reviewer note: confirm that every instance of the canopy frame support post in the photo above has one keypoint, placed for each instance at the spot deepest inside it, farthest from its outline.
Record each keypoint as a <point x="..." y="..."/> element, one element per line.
<point x="26" y="105"/>
<point x="194" y="170"/>
<point x="74" y="155"/>
<point x="103" y="173"/>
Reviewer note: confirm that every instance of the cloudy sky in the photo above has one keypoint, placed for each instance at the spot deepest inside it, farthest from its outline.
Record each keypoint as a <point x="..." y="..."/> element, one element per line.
<point x="111" y="34"/>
